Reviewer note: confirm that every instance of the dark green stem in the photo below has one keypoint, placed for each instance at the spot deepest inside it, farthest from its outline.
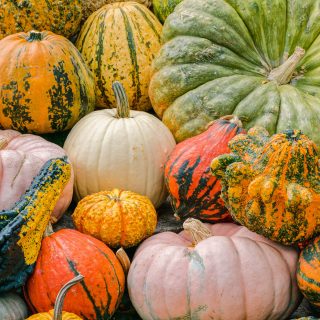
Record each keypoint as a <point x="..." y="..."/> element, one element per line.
<point x="34" y="36"/>
<point x="123" y="108"/>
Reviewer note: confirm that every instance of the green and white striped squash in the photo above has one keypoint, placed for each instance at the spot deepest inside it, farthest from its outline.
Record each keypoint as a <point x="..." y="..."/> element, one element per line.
<point x="257" y="59"/>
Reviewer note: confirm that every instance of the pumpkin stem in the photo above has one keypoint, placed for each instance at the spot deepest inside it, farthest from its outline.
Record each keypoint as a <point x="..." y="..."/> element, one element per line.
<point x="34" y="36"/>
<point x="233" y="119"/>
<point x="123" y="108"/>
<point x="124" y="260"/>
<point x="57" y="313"/>
<point x="3" y="143"/>
<point x="197" y="230"/>
<point x="49" y="230"/>
<point x="283" y="74"/>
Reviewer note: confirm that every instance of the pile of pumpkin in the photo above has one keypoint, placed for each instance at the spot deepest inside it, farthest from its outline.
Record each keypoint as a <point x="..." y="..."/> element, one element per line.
<point x="234" y="83"/>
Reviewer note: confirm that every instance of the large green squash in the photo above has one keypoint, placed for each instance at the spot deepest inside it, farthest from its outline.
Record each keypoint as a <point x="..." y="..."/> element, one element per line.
<point x="226" y="57"/>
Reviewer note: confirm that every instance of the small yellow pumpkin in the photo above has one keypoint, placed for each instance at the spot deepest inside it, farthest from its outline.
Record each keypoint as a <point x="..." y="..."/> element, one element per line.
<point x="57" y="313"/>
<point x="118" y="218"/>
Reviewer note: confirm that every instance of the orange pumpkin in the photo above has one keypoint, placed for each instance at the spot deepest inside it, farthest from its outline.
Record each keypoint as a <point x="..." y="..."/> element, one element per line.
<point x="67" y="253"/>
<point x="57" y="313"/>
<point x="118" y="218"/>
<point x="45" y="85"/>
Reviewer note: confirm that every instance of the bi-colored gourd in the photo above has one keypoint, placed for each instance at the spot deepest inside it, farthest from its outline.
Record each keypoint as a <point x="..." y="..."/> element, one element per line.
<point x="194" y="192"/>
<point x="119" y="148"/>
<point x="65" y="254"/>
<point x="22" y="227"/>
<point x="22" y="156"/>
<point x="222" y="271"/>
<point x="308" y="272"/>
<point x="256" y="59"/>
<point x="45" y="85"/>
<point x="118" y="218"/>
<point x="12" y="307"/>
<point x="90" y="6"/>
<point x="57" y="313"/>
<point x="119" y="42"/>
<point x="162" y="8"/>
<point x="61" y="17"/>
<point x="271" y="185"/>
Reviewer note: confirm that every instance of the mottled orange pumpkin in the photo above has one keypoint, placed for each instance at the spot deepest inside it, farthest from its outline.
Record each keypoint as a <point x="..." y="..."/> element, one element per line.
<point x="45" y="85"/>
<point x="118" y="218"/>
<point x="61" y="17"/>
<point x="272" y="185"/>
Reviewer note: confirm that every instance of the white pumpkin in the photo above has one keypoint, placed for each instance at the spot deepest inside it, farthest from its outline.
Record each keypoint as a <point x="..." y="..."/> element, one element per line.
<point x="12" y="307"/>
<point x="119" y="148"/>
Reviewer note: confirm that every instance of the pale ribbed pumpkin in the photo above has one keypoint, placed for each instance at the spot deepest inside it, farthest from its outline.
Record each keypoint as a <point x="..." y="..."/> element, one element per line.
<point x="90" y="6"/>
<point x="118" y="218"/>
<point x="61" y="17"/>
<point x="21" y="158"/>
<point x="119" y="42"/>
<point x="12" y="307"/>
<point x="45" y="85"/>
<point x="122" y="149"/>
<point x="225" y="272"/>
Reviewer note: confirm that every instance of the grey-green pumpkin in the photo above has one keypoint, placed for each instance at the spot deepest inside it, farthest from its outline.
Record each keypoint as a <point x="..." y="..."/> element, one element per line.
<point x="257" y="59"/>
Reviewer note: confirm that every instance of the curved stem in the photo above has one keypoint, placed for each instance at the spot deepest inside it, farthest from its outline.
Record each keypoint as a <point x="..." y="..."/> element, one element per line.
<point x="197" y="230"/>
<point x="57" y="313"/>
<point x="3" y="143"/>
<point x="49" y="230"/>
<point x="230" y="118"/>
<point x="283" y="74"/>
<point x="123" y="108"/>
<point x="124" y="260"/>
<point x="34" y="36"/>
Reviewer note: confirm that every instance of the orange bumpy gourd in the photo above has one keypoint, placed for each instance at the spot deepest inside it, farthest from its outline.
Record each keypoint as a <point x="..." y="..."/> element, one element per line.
<point x="272" y="185"/>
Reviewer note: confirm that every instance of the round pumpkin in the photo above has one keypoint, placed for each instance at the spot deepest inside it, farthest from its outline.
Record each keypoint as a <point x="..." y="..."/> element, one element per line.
<point x="162" y="8"/>
<point x="63" y="255"/>
<point x="22" y="157"/>
<point x="61" y="17"/>
<point x="308" y="272"/>
<point x="256" y="59"/>
<point x="222" y="271"/>
<point x="12" y="307"/>
<point x="45" y="85"/>
<point x="119" y="42"/>
<point x="271" y="185"/>
<point x="118" y="218"/>
<point x="90" y="6"/>
<point x="194" y="192"/>
<point x="57" y="313"/>
<point x="119" y="148"/>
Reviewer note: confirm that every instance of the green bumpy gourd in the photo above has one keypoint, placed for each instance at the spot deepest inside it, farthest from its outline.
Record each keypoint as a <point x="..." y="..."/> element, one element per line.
<point x="271" y="185"/>
<point x="22" y="227"/>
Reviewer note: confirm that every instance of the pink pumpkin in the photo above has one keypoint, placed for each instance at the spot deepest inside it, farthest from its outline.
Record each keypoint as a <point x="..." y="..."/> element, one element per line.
<point x="225" y="272"/>
<point x="21" y="158"/>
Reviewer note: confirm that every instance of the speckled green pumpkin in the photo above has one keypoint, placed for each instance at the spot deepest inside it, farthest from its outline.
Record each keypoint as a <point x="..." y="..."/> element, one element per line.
<point x="162" y="8"/>
<point x="224" y="57"/>
<point x="22" y="227"/>
<point x="271" y="185"/>
<point x="59" y="16"/>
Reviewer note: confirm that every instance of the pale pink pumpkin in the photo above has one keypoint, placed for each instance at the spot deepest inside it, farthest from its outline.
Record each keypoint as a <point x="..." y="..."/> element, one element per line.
<point x="231" y="273"/>
<point x="21" y="158"/>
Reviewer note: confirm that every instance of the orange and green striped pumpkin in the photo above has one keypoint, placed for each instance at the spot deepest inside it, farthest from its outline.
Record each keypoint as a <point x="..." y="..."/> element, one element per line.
<point x="119" y="43"/>
<point x="61" y="17"/>
<point x="308" y="274"/>
<point x="194" y="191"/>
<point x="45" y="85"/>
<point x="271" y="185"/>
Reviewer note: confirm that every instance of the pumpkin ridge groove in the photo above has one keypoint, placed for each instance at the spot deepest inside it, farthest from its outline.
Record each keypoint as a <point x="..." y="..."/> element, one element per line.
<point x="148" y="21"/>
<point x="133" y="56"/>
